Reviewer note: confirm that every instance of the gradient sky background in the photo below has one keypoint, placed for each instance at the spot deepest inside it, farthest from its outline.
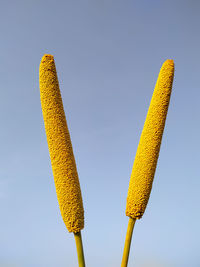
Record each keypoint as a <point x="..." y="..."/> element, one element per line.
<point x="108" y="54"/>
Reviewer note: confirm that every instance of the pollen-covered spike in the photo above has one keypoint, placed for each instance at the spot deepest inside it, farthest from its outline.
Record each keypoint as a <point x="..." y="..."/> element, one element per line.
<point x="60" y="147"/>
<point x="148" y="149"/>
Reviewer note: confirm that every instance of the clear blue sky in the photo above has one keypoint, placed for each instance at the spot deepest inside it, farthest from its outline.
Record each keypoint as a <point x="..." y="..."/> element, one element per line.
<point x="108" y="55"/>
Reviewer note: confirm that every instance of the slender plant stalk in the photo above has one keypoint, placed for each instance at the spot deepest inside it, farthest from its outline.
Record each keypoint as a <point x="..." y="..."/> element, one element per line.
<point x="127" y="245"/>
<point x="79" y="247"/>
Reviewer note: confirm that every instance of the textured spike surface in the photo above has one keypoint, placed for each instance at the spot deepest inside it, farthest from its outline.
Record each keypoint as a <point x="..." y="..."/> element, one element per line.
<point x="148" y="149"/>
<point x="60" y="147"/>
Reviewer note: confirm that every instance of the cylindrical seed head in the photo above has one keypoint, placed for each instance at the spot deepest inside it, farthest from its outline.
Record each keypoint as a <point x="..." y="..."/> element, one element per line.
<point x="148" y="149"/>
<point x="60" y="147"/>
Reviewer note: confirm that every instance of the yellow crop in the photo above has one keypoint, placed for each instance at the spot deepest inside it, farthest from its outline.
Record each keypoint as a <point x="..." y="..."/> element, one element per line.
<point x="60" y="147"/>
<point x="148" y="149"/>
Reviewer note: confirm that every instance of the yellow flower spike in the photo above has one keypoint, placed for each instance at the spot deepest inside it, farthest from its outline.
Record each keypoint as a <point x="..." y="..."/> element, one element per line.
<point x="61" y="153"/>
<point x="60" y="147"/>
<point x="148" y="151"/>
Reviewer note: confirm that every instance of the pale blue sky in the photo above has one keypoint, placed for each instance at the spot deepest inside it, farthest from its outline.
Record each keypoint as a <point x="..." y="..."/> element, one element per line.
<point x="108" y="54"/>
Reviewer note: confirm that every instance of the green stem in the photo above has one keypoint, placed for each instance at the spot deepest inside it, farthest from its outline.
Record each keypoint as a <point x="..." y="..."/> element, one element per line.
<point x="79" y="247"/>
<point x="127" y="245"/>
